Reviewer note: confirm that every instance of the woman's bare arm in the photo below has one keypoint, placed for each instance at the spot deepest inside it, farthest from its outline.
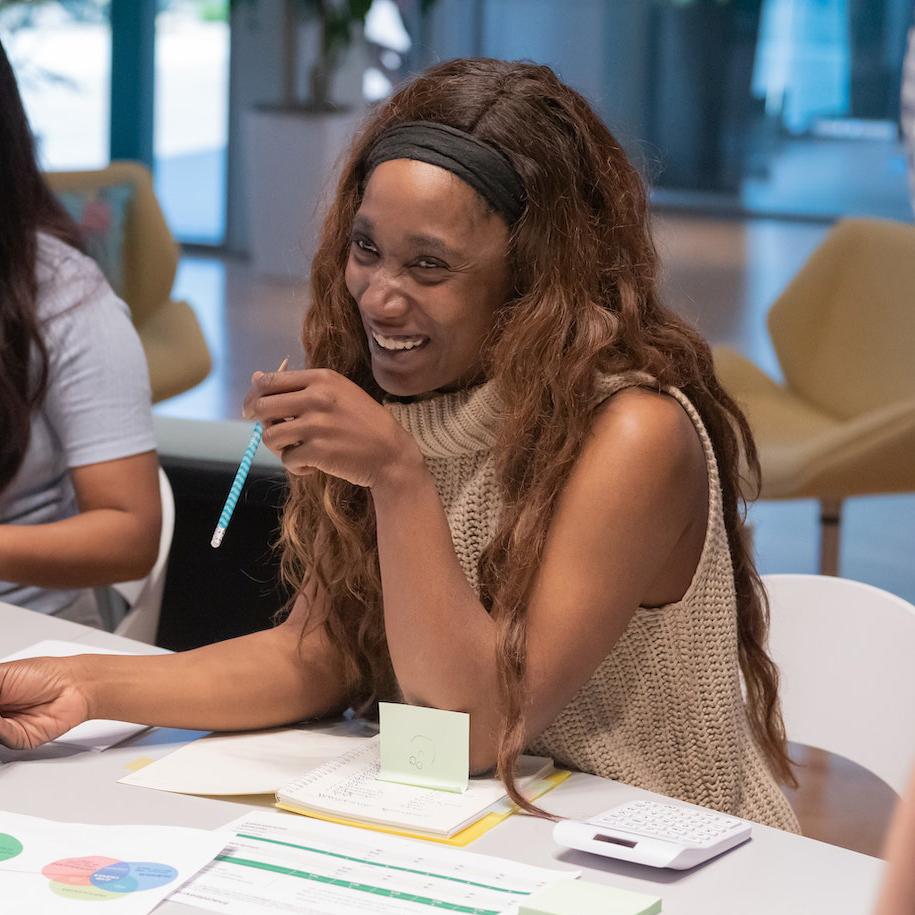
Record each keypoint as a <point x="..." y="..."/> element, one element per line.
<point x="627" y="529"/>
<point x="115" y="536"/>
<point x="261" y="680"/>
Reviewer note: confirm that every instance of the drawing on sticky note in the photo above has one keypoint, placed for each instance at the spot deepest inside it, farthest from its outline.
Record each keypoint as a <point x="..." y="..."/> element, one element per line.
<point x="423" y="752"/>
<point x="426" y="747"/>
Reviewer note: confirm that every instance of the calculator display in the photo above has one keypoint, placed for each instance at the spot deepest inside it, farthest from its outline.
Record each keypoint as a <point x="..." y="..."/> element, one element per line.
<point x="614" y="840"/>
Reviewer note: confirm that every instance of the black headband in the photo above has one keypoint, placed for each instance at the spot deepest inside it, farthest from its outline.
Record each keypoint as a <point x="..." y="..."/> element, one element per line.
<point x="476" y="163"/>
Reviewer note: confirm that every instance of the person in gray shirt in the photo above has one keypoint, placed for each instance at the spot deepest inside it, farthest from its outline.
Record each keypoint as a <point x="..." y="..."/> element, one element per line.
<point x="79" y="487"/>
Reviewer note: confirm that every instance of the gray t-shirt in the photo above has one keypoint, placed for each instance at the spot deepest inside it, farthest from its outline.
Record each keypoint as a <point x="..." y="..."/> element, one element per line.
<point x="97" y="406"/>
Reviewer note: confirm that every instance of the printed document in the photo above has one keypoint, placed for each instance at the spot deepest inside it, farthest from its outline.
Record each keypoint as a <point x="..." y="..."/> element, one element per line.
<point x="282" y="863"/>
<point x="53" y="868"/>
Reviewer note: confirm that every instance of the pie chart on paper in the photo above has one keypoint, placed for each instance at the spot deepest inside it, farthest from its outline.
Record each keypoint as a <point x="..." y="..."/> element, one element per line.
<point x="102" y="879"/>
<point x="52" y="866"/>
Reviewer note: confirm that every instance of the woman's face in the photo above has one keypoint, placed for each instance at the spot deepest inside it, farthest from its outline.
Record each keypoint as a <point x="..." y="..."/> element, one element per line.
<point x="428" y="268"/>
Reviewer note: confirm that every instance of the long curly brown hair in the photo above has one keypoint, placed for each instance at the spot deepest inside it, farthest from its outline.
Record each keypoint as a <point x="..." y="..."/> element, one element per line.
<point x="585" y="302"/>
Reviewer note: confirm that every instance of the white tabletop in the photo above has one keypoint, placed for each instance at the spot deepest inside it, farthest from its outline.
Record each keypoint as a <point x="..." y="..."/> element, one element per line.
<point x="775" y="872"/>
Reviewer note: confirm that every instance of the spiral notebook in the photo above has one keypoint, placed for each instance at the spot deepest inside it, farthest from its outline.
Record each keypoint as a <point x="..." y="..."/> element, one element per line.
<point x="347" y="790"/>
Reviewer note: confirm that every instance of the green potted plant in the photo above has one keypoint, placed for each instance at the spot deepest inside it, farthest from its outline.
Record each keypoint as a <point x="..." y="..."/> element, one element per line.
<point x="337" y="22"/>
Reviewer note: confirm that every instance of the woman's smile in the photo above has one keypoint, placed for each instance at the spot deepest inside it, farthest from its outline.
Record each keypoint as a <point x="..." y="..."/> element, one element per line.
<point x="397" y="344"/>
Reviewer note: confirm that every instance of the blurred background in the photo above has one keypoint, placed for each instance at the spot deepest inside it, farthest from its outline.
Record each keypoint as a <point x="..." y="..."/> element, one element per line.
<point x="768" y="107"/>
<point x="758" y="125"/>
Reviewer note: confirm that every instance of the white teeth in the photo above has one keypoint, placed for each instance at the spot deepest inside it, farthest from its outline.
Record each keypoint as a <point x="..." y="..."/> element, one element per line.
<point x="397" y="343"/>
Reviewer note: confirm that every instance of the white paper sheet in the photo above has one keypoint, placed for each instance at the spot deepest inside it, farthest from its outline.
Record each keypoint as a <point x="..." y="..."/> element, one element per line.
<point x="284" y="863"/>
<point x="348" y="787"/>
<point x="53" y="868"/>
<point x="258" y="762"/>
<point x="98" y="734"/>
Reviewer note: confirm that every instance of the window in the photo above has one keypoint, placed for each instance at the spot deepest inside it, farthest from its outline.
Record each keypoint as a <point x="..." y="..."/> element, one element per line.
<point x="61" y="54"/>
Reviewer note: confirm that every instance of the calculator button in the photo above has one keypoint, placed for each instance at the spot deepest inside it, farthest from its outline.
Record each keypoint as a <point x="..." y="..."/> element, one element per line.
<point x="668" y="822"/>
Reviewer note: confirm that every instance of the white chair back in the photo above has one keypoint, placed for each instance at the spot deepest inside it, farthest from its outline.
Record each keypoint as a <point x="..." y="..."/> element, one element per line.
<point x="846" y="653"/>
<point x="144" y="597"/>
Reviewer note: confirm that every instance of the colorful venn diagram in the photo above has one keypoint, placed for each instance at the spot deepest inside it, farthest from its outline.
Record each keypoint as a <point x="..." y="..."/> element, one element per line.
<point x="99" y="878"/>
<point x="95" y="877"/>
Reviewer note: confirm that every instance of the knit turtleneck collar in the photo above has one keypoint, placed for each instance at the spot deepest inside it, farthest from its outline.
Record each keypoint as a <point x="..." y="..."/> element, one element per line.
<point x="448" y="425"/>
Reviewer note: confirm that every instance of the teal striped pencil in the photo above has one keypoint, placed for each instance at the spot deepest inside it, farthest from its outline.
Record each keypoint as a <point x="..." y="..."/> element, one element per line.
<point x="240" y="476"/>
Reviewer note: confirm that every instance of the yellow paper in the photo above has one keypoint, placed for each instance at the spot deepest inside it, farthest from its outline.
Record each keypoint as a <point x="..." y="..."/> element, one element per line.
<point x="470" y="834"/>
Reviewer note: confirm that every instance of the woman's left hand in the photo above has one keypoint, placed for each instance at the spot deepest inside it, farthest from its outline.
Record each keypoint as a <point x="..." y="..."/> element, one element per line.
<point x="317" y="419"/>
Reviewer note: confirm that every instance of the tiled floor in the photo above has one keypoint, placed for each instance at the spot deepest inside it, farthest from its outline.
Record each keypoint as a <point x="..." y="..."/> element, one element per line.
<point x="723" y="274"/>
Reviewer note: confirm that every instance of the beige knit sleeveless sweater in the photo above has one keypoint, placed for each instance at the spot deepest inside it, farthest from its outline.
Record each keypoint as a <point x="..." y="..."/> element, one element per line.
<point x="664" y="710"/>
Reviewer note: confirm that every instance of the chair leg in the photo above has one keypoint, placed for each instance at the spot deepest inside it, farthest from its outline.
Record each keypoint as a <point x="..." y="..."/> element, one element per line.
<point x="830" y="530"/>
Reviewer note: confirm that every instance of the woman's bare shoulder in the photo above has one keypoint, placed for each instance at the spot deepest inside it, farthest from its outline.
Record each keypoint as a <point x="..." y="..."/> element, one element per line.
<point x="646" y="470"/>
<point x="650" y="426"/>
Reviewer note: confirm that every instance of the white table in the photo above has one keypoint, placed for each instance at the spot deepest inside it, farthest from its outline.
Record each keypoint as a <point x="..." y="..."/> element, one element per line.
<point x="776" y="873"/>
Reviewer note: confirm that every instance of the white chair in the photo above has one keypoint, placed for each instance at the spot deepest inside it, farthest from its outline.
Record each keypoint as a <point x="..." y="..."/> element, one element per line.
<point x="143" y="598"/>
<point x="846" y="654"/>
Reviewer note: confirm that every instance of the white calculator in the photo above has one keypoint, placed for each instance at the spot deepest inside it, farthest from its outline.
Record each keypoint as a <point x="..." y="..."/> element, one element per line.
<point x="654" y="833"/>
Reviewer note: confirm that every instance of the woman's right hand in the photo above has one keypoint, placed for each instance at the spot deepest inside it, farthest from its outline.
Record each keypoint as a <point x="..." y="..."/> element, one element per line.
<point x="40" y="699"/>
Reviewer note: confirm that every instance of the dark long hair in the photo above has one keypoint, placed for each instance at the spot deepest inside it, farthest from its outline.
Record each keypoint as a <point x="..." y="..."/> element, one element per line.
<point x="26" y="206"/>
<point x="585" y="303"/>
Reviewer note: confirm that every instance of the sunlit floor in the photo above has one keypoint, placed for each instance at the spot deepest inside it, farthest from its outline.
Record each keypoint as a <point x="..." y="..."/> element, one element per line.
<point x="723" y="274"/>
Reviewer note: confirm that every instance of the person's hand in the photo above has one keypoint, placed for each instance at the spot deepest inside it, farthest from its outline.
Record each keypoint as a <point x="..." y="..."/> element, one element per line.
<point x="317" y="419"/>
<point x="40" y="699"/>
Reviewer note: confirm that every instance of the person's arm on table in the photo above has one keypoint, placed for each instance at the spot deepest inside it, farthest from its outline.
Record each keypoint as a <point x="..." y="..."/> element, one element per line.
<point x="115" y="536"/>
<point x="637" y="486"/>
<point x="627" y="529"/>
<point x="261" y="680"/>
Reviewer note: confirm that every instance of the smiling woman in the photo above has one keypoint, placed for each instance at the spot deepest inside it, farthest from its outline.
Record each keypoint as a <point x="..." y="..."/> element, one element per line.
<point x="427" y="268"/>
<point x="514" y="475"/>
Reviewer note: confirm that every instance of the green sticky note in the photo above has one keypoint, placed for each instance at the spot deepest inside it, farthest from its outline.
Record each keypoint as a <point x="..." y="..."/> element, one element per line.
<point x="578" y="897"/>
<point x="427" y="747"/>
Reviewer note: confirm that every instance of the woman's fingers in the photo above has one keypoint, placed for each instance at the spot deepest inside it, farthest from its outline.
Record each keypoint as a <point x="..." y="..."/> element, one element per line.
<point x="10" y="734"/>
<point x="278" y="395"/>
<point x="284" y="434"/>
<point x="39" y="700"/>
<point x="298" y="461"/>
<point x="284" y="382"/>
<point x="319" y="419"/>
<point x="272" y="408"/>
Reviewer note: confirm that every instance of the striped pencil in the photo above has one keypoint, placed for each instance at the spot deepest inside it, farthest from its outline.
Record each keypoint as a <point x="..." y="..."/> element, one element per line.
<point x="240" y="476"/>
